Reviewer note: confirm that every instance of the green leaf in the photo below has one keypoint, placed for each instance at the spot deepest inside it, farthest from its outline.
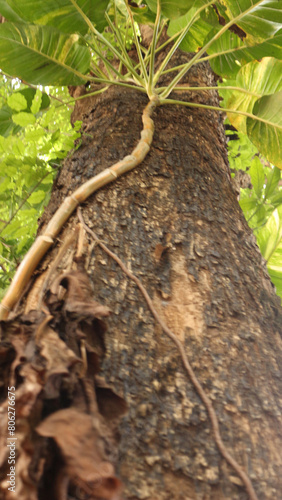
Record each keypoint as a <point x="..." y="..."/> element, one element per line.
<point x="196" y="34"/>
<point x="36" y="197"/>
<point x="4" y="185"/>
<point x="270" y="236"/>
<point x="42" y="55"/>
<point x="260" y="216"/>
<point x="23" y="119"/>
<point x="8" y="11"/>
<point x="55" y="136"/>
<point x="276" y="278"/>
<point x="20" y="99"/>
<point x="142" y="14"/>
<point x="7" y="126"/>
<point x="273" y="179"/>
<point x="36" y="102"/>
<point x="248" y="204"/>
<point x="171" y="8"/>
<point x="228" y="54"/>
<point x="276" y="199"/>
<point x="61" y="14"/>
<point x="257" y="176"/>
<point x="260" y="22"/>
<point x="267" y="134"/>
<point x="35" y="135"/>
<point x="17" y="101"/>
<point x="29" y="94"/>
<point x="261" y="78"/>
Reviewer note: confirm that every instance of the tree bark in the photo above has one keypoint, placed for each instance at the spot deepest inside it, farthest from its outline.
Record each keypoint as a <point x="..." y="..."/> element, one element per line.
<point x="176" y="223"/>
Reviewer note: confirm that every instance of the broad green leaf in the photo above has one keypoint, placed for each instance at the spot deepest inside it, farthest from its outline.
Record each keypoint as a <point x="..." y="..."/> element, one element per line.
<point x="196" y="34"/>
<point x="267" y="134"/>
<point x="35" y="135"/>
<point x="260" y="19"/>
<point x="61" y="14"/>
<point x="4" y="184"/>
<point x="29" y="95"/>
<point x="273" y="179"/>
<point x="248" y="204"/>
<point x="276" y="199"/>
<point x="21" y="99"/>
<point x="260" y="35"/>
<point x="55" y="136"/>
<point x="260" y="78"/>
<point x="257" y="176"/>
<point x="142" y="14"/>
<point x="228" y="54"/>
<point x="17" y="101"/>
<point x="42" y="55"/>
<point x="260" y="217"/>
<point x="23" y="119"/>
<point x="36" y="102"/>
<point x="11" y="228"/>
<point x="276" y="278"/>
<point x="271" y="46"/>
<point x="171" y="8"/>
<point x="270" y="236"/>
<point x="36" y="197"/>
<point x="7" y="126"/>
<point x="21" y="231"/>
<point x="9" y="12"/>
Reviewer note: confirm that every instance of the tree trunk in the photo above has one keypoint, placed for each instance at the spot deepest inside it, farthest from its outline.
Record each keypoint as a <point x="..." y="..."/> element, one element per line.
<point x="176" y="223"/>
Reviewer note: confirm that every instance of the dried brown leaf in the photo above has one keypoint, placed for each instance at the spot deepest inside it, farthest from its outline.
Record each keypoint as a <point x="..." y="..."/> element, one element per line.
<point x="81" y="447"/>
<point x="78" y="295"/>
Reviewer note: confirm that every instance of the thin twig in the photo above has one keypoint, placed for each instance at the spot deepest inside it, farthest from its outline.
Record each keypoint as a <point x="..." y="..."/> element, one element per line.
<point x="205" y="399"/>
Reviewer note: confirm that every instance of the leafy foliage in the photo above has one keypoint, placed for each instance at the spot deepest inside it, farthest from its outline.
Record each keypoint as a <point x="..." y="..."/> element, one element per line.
<point x="32" y="145"/>
<point x="260" y="200"/>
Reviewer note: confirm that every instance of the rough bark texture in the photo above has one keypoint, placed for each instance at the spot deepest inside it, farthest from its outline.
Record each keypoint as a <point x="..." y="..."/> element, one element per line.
<point x="176" y="223"/>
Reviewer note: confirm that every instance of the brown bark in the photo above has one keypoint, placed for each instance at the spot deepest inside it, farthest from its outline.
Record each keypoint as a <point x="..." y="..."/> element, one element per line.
<point x="176" y="223"/>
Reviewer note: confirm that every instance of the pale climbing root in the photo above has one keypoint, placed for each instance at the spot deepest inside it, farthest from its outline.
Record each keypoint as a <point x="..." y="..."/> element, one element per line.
<point x="44" y="241"/>
<point x="201" y="392"/>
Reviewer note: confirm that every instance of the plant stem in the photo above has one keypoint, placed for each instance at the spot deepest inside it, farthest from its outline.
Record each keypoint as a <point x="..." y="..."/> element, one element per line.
<point x="153" y="49"/>
<point x="217" y="108"/>
<point x="129" y="65"/>
<point x="137" y="45"/>
<point x="206" y="46"/>
<point x="107" y="63"/>
<point x="100" y="91"/>
<point x="196" y="89"/>
<point x="175" y="46"/>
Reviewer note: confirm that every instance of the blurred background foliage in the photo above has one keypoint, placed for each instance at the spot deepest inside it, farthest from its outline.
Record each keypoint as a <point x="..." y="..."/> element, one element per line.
<point x="35" y="136"/>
